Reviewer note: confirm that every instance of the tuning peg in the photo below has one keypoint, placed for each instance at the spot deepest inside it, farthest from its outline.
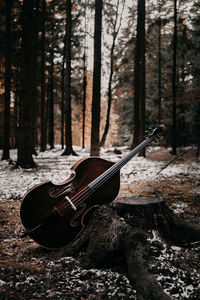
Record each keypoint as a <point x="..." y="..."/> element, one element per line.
<point x="155" y="134"/>
<point x="148" y="132"/>
<point x="160" y="129"/>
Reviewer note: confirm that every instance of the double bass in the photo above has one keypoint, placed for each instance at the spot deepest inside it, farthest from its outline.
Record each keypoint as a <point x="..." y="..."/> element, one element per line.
<point x="54" y="215"/>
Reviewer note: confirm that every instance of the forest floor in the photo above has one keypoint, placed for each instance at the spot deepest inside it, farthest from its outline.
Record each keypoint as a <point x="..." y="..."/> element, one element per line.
<point x="28" y="271"/>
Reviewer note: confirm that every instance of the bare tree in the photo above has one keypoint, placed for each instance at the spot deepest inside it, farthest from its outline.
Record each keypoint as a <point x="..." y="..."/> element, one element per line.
<point x="116" y="28"/>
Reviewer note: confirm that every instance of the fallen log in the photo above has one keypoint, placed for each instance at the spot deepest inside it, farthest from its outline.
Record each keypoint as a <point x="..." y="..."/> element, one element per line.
<point x="118" y="235"/>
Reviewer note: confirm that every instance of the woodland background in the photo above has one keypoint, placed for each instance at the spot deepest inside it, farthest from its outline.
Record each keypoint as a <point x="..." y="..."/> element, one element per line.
<point x="88" y="78"/>
<point x="146" y="71"/>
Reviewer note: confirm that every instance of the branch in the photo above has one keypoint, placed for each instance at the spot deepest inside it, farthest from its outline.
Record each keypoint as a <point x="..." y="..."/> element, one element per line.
<point x="175" y="158"/>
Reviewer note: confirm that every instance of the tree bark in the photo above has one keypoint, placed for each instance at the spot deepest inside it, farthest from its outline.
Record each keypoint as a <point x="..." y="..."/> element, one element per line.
<point x="6" y="137"/>
<point x="42" y="81"/>
<point x="63" y="93"/>
<point x="159" y="65"/>
<point x="96" y="91"/>
<point x="139" y="79"/>
<point x="174" y="81"/>
<point x="51" y="95"/>
<point x="84" y="97"/>
<point x="16" y="106"/>
<point x="25" y="146"/>
<point x="142" y="78"/>
<point x="68" y="118"/>
<point x="35" y="73"/>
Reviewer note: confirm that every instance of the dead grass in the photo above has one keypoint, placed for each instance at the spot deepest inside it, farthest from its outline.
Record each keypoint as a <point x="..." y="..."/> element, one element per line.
<point x="181" y="192"/>
<point x="164" y="154"/>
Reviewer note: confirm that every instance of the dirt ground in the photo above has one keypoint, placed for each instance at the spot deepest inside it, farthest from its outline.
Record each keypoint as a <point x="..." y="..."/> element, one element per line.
<point x="30" y="272"/>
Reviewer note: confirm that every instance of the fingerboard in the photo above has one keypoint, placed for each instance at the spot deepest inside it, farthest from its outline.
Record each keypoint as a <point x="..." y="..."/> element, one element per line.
<point x="101" y="179"/>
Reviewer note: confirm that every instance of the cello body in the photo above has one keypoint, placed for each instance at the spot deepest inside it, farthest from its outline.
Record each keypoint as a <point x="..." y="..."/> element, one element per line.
<point x="48" y="213"/>
<point x="55" y="214"/>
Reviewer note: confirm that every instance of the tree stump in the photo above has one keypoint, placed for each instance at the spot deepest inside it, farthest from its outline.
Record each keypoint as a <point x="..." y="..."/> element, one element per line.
<point x="118" y="234"/>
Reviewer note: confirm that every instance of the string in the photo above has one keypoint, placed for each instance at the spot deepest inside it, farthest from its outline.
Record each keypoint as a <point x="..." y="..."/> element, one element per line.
<point x="101" y="179"/>
<point x="87" y="191"/>
<point x="116" y="167"/>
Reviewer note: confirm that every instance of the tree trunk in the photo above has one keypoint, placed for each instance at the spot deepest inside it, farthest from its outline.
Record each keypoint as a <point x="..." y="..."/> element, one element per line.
<point x="96" y="91"/>
<point x="16" y="106"/>
<point x="42" y="81"/>
<point x="63" y="93"/>
<point x="6" y="138"/>
<point x="84" y="97"/>
<point x="174" y="81"/>
<point x="118" y="236"/>
<point x="35" y="71"/>
<point x="68" y="117"/>
<point x="142" y="76"/>
<point x="84" y="79"/>
<point x="51" y="96"/>
<point x="159" y="65"/>
<point x="139" y="78"/>
<point x="25" y="146"/>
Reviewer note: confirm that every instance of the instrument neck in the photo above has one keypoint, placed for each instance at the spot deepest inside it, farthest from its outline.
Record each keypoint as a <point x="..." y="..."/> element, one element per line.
<point x="117" y="166"/>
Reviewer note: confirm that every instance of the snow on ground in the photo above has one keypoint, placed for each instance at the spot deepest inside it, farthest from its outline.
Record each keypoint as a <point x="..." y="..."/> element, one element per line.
<point x="170" y="263"/>
<point x="14" y="182"/>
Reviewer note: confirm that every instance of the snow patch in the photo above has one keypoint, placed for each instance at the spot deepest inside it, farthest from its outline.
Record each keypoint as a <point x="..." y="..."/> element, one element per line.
<point x="14" y="183"/>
